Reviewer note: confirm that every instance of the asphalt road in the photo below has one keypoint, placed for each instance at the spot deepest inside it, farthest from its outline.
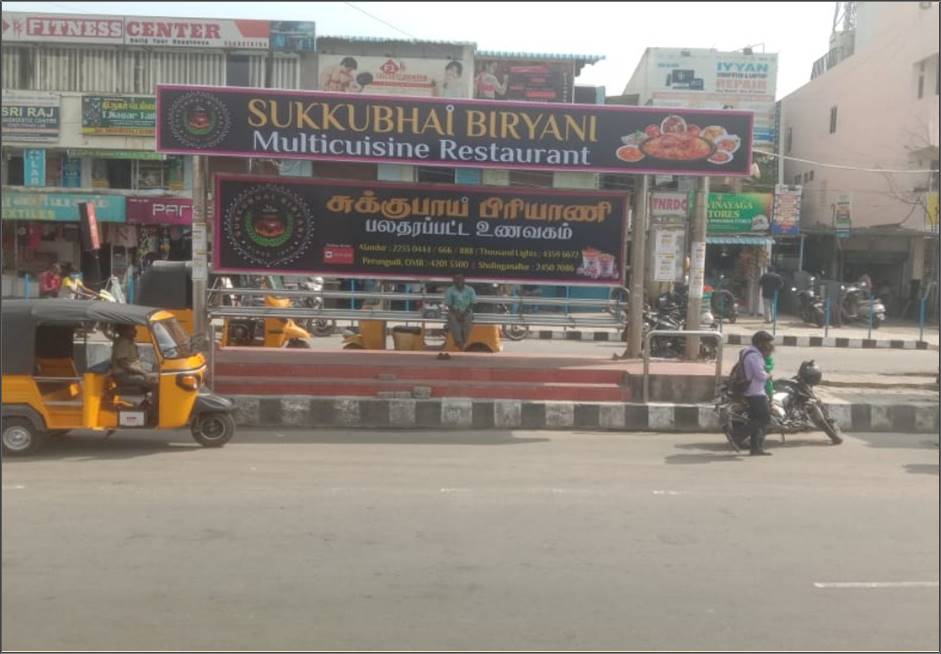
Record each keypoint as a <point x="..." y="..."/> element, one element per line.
<point x="539" y="540"/>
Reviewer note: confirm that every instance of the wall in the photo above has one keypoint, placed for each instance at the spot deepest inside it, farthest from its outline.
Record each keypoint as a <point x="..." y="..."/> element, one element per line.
<point x="880" y="121"/>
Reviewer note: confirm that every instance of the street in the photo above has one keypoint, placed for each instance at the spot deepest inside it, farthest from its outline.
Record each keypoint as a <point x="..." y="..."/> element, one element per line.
<point x="471" y="540"/>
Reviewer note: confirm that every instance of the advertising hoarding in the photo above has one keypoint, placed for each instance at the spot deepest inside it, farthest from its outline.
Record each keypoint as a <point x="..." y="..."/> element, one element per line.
<point x="530" y="80"/>
<point x="787" y="210"/>
<point x="31" y="118"/>
<point x="443" y="78"/>
<point x="425" y="231"/>
<point x="119" y="115"/>
<point x="739" y="213"/>
<point x="245" y="122"/>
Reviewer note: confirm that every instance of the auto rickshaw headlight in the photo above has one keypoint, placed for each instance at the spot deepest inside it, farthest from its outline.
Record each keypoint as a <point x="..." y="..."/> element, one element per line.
<point x="189" y="382"/>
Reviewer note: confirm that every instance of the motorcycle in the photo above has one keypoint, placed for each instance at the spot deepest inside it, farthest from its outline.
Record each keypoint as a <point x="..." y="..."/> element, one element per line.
<point x="858" y="304"/>
<point x="319" y="326"/>
<point x="811" y="305"/>
<point x="795" y="408"/>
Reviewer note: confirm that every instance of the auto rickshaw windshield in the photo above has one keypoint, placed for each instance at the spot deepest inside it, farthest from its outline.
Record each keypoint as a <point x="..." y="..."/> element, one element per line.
<point x="172" y="339"/>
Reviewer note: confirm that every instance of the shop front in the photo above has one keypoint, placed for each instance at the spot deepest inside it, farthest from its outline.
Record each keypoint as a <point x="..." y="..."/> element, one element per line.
<point x="738" y="243"/>
<point x="41" y="228"/>
<point x="157" y="229"/>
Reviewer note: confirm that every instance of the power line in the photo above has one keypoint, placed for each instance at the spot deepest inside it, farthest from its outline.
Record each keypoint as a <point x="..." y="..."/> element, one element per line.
<point x="384" y="22"/>
<point x="891" y="171"/>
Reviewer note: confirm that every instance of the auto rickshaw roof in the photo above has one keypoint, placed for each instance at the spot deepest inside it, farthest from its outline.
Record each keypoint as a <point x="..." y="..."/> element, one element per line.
<point x="23" y="314"/>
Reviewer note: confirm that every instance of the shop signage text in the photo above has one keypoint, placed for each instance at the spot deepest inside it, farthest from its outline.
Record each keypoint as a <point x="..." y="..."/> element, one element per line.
<point x="118" y="116"/>
<point x="738" y="213"/>
<point x="456" y="133"/>
<point x="374" y="229"/>
<point x="163" y="211"/>
<point x="38" y="205"/>
<point x="30" y="118"/>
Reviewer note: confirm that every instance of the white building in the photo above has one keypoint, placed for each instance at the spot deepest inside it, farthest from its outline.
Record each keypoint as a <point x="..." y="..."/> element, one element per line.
<point x="872" y="103"/>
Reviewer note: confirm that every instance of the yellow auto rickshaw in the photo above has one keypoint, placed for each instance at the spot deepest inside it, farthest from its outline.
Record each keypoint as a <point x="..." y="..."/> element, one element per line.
<point x="44" y="394"/>
<point x="169" y="285"/>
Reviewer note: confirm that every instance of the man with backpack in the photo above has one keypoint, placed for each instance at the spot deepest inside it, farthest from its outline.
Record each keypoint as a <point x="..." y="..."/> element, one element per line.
<point x="749" y="378"/>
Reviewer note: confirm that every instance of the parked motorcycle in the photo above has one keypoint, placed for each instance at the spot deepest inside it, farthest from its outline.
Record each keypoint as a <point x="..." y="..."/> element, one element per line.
<point x="318" y="326"/>
<point x="795" y="408"/>
<point x="811" y="304"/>
<point x="857" y="306"/>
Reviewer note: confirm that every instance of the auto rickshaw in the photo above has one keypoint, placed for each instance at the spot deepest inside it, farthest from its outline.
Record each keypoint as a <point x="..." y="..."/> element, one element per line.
<point x="45" y="395"/>
<point x="169" y="285"/>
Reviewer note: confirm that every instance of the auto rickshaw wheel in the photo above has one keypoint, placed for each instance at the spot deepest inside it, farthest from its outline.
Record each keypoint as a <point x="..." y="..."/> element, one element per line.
<point x="20" y="437"/>
<point x="213" y="429"/>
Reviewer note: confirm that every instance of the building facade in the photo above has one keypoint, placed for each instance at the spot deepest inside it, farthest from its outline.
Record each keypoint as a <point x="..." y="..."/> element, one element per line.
<point x="874" y="107"/>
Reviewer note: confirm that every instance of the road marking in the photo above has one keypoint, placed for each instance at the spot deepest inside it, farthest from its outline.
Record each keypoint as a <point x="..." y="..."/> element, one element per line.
<point x="667" y="492"/>
<point x="455" y="490"/>
<point x="875" y="584"/>
<point x="14" y="487"/>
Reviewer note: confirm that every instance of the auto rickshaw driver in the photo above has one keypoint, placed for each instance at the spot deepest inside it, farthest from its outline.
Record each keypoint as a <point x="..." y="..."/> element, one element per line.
<point x="126" y="365"/>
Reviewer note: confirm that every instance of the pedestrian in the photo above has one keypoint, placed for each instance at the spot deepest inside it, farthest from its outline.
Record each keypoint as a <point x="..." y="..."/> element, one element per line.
<point x="50" y="281"/>
<point x="771" y="284"/>
<point x="756" y="395"/>
<point x="459" y="299"/>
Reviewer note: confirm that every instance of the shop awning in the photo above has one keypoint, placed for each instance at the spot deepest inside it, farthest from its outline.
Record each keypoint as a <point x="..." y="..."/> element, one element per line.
<point x="739" y="239"/>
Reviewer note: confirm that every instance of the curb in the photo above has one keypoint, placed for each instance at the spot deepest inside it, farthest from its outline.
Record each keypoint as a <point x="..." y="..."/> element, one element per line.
<point x="466" y="413"/>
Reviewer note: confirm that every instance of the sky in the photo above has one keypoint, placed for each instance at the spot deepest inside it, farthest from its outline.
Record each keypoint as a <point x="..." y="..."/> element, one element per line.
<point x="620" y="31"/>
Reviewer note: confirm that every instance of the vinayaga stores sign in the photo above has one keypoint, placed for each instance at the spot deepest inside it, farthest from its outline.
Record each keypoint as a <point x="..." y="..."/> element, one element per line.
<point x="243" y="122"/>
<point x="370" y="229"/>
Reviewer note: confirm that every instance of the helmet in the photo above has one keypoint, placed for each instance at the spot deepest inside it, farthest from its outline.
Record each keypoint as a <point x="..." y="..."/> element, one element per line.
<point x="810" y="373"/>
<point x="761" y="337"/>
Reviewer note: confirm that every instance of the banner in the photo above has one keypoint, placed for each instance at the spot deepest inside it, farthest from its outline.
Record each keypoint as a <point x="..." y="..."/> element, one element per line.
<point x="736" y="213"/>
<point x="669" y="251"/>
<point x="136" y="30"/>
<point x="31" y="118"/>
<point x="443" y="78"/>
<point x="245" y="122"/>
<point x="787" y="210"/>
<point x="118" y="116"/>
<point x="423" y="231"/>
<point x="842" y="215"/>
<point x="160" y="211"/>
<point x="37" y="205"/>
<point x="536" y="81"/>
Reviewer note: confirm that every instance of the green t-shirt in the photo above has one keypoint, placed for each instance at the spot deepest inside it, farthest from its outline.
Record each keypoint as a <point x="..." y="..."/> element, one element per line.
<point x="460" y="300"/>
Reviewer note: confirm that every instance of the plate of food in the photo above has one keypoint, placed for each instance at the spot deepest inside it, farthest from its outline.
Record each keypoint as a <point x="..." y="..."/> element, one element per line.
<point x="629" y="153"/>
<point x="720" y="157"/>
<point x="678" y="147"/>
<point x="712" y="132"/>
<point x="728" y="142"/>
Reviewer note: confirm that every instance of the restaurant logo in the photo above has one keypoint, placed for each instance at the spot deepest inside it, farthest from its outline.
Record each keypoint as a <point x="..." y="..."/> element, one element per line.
<point x="268" y="225"/>
<point x="199" y="120"/>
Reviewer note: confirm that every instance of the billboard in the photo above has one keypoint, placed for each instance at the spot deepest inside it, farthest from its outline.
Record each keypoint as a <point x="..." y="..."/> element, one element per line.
<point x="245" y="122"/>
<point x="40" y="205"/>
<point x="160" y="211"/>
<point x="444" y="78"/>
<point x="118" y="115"/>
<point x="30" y="118"/>
<point x="136" y="30"/>
<point x="707" y="79"/>
<point x="787" y="210"/>
<point x="535" y="81"/>
<point x="423" y="231"/>
<point x="739" y="213"/>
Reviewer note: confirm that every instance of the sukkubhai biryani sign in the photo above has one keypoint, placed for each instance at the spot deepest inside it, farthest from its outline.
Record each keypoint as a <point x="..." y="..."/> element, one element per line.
<point x="245" y="122"/>
<point x="373" y="229"/>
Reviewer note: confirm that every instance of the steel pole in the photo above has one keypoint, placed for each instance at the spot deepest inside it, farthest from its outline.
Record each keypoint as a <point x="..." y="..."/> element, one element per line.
<point x="697" y="266"/>
<point x="638" y="266"/>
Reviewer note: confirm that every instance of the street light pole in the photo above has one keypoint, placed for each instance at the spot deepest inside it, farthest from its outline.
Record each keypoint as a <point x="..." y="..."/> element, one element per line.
<point x="697" y="266"/>
<point x="638" y="268"/>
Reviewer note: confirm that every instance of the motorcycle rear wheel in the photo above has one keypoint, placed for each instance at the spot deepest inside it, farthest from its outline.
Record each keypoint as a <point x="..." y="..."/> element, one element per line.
<point x="818" y="415"/>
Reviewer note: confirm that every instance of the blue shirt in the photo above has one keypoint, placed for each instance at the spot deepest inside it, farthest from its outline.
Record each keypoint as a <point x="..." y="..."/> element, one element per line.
<point x="460" y="300"/>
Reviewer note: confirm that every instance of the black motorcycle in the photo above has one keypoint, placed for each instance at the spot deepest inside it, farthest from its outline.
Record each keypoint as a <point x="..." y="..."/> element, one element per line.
<point x="811" y="305"/>
<point x="795" y="408"/>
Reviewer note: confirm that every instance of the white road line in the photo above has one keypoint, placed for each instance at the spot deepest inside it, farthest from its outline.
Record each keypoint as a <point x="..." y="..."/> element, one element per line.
<point x="667" y="492"/>
<point x="455" y="490"/>
<point x="875" y="584"/>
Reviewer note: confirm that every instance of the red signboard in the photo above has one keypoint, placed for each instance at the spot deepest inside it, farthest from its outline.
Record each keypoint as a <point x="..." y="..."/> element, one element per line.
<point x="161" y="211"/>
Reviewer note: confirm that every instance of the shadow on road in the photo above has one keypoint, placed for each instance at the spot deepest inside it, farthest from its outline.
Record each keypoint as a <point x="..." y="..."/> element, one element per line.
<point x="907" y="441"/>
<point x="391" y="437"/>
<point x="688" y="459"/>
<point x="922" y="468"/>
<point x="716" y="452"/>
<point x="98" y="448"/>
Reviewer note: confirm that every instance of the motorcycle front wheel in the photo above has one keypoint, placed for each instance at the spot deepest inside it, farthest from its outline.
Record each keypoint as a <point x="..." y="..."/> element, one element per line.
<point x="818" y="414"/>
<point x="515" y="332"/>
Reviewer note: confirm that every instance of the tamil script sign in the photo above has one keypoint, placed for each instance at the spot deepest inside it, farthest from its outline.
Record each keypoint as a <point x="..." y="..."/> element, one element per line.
<point x="244" y="122"/>
<point x="787" y="210"/>
<point x="136" y="30"/>
<point x="30" y="118"/>
<point x="374" y="229"/>
<point x="737" y="213"/>
<point x="118" y="116"/>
